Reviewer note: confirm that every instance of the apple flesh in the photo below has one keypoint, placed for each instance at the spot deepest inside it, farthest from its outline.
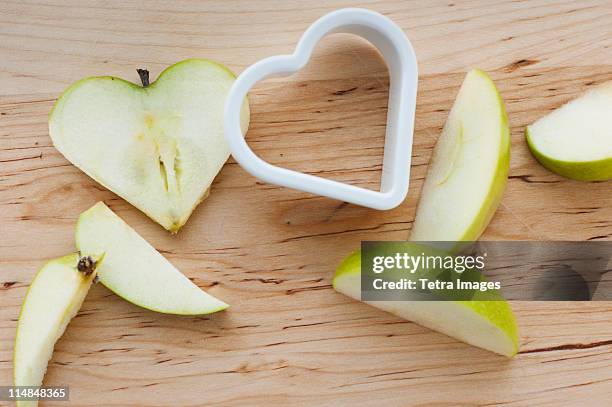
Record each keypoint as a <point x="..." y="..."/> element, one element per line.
<point x="575" y="141"/>
<point x="469" y="166"/>
<point x="463" y="188"/>
<point x="135" y="271"/>
<point x="157" y="146"/>
<point x="53" y="299"/>
<point x="488" y="325"/>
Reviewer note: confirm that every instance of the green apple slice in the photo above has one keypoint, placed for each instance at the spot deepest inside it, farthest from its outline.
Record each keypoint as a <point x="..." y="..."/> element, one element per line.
<point x="53" y="299"/>
<point x="575" y="141"/>
<point x="135" y="271"/>
<point x="469" y="166"/>
<point x="488" y="325"/>
<point x="463" y="188"/>
<point x="159" y="146"/>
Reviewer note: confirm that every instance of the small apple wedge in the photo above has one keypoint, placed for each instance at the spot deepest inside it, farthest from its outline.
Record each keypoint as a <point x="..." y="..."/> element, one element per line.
<point x="135" y="271"/>
<point x="488" y="325"/>
<point x="53" y="299"/>
<point x="575" y="140"/>
<point x="463" y="188"/>
<point x="158" y="146"/>
<point x="469" y="167"/>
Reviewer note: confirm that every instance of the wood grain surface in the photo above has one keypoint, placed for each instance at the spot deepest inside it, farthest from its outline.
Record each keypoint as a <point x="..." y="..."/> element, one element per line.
<point x="270" y="252"/>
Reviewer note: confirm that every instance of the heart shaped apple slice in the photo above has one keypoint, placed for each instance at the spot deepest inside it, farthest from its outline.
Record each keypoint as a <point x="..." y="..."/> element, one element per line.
<point x="158" y="146"/>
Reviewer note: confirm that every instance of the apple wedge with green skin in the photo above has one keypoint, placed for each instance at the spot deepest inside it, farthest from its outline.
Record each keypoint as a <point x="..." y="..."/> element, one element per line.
<point x="469" y="167"/>
<point x="575" y="140"/>
<point x="135" y="271"/>
<point x="488" y="325"/>
<point x="463" y="188"/>
<point x="159" y="146"/>
<point x="53" y="299"/>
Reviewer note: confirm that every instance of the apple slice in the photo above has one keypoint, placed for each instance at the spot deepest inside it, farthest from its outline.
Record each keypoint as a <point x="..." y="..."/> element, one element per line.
<point x="575" y="141"/>
<point x="464" y="185"/>
<point x="488" y="325"/>
<point x="53" y="299"/>
<point x="469" y="166"/>
<point x="135" y="271"/>
<point x="158" y="146"/>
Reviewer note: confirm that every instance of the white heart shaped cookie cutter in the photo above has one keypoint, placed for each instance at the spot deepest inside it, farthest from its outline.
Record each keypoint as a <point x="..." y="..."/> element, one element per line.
<point x="401" y="62"/>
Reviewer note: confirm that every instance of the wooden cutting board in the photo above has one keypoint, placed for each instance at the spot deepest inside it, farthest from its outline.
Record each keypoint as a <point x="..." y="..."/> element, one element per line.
<point x="270" y="252"/>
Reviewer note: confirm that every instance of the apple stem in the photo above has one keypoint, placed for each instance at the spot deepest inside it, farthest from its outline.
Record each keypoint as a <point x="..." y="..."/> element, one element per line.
<point x="86" y="265"/>
<point x="144" y="77"/>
